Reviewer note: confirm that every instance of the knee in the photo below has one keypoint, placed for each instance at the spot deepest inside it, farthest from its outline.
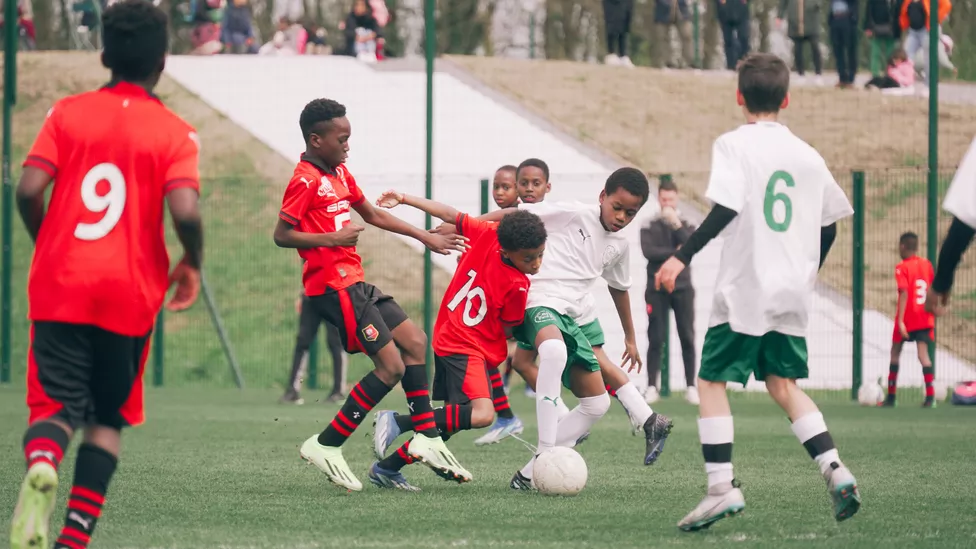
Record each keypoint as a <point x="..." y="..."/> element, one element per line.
<point x="413" y="345"/>
<point x="779" y="388"/>
<point x="482" y="413"/>
<point x="596" y="406"/>
<point x="553" y="353"/>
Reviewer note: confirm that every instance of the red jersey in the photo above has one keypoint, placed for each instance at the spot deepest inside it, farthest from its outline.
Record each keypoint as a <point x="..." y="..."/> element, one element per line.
<point x="100" y="257"/>
<point x="318" y="200"/>
<point x="486" y="294"/>
<point x="914" y="276"/>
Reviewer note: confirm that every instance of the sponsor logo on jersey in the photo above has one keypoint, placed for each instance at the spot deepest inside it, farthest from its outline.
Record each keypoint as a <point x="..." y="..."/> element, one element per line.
<point x="370" y="333"/>
<point x="543" y="316"/>
<point x="339" y="206"/>
<point x="326" y="189"/>
<point x="610" y="255"/>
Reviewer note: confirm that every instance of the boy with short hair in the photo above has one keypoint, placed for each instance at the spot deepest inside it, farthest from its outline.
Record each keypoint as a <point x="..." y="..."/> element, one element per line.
<point x="912" y="322"/>
<point x="484" y="301"/>
<point x="504" y="187"/>
<point x="778" y="205"/>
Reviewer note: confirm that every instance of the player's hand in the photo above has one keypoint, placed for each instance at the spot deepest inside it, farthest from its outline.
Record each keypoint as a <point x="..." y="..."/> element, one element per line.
<point x="298" y="306"/>
<point x="670" y="216"/>
<point x="445" y="229"/>
<point x="632" y="356"/>
<point x="347" y="236"/>
<point x="445" y="244"/>
<point x="937" y="303"/>
<point x="390" y="199"/>
<point x="902" y="330"/>
<point x="668" y="274"/>
<point x="187" y="280"/>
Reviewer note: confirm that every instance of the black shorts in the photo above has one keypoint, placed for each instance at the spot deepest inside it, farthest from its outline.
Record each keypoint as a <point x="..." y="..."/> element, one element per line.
<point x="83" y="374"/>
<point x="459" y="379"/>
<point x="364" y="316"/>
<point x="924" y="336"/>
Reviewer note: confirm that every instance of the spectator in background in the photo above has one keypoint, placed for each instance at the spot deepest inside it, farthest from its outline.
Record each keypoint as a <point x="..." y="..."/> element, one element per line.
<point x="842" y="21"/>
<point x="881" y="27"/>
<point x="733" y="17"/>
<point x="205" y="37"/>
<point x="290" y="39"/>
<point x="677" y="13"/>
<point x="914" y="21"/>
<point x="237" y="28"/>
<point x="362" y="32"/>
<point x="664" y="236"/>
<point x="25" y="22"/>
<point x="292" y="10"/>
<point x="803" y="19"/>
<point x="616" y="15"/>
<point x="901" y="73"/>
<point x="308" y="329"/>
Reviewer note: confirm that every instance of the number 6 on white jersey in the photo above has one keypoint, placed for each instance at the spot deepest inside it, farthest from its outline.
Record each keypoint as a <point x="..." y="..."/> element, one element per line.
<point x="112" y="202"/>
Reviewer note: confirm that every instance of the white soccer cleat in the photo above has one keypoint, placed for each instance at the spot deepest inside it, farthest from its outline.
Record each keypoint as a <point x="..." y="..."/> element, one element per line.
<point x="433" y="453"/>
<point x="691" y="396"/>
<point x="843" y="491"/>
<point x="651" y="395"/>
<point x="611" y="60"/>
<point x="329" y="460"/>
<point x="32" y="515"/>
<point x="502" y="429"/>
<point x="723" y="500"/>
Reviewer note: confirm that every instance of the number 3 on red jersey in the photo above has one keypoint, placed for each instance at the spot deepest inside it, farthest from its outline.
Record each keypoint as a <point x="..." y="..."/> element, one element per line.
<point x="466" y="294"/>
<point x="112" y="202"/>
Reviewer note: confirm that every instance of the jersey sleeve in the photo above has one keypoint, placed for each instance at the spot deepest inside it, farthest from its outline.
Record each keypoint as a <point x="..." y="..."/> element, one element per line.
<point x="727" y="181"/>
<point x="473" y="228"/>
<point x="617" y="273"/>
<point x="555" y="215"/>
<point x="183" y="170"/>
<point x="298" y="196"/>
<point x="835" y="203"/>
<point x="357" y="193"/>
<point x="44" y="153"/>
<point x="902" y="278"/>
<point x="960" y="201"/>
<point x="513" y="311"/>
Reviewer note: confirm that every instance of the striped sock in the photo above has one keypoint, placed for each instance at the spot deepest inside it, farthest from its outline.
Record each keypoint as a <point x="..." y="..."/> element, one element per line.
<point x="362" y="398"/>
<point x="45" y="442"/>
<point x="928" y="374"/>
<point x="414" y="384"/>
<point x="717" y="435"/>
<point x="892" y="381"/>
<point x="93" y="471"/>
<point x="453" y="418"/>
<point x="498" y="395"/>
<point x="397" y="460"/>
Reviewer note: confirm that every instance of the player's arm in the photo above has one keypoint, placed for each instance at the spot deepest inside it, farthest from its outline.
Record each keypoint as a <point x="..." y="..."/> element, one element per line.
<point x="827" y="236"/>
<point x="714" y="223"/>
<point x="298" y="197"/>
<point x="445" y="213"/>
<point x="388" y="222"/>
<point x="30" y="198"/>
<point x="184" y="207"/>
<point x="956" y="242"/>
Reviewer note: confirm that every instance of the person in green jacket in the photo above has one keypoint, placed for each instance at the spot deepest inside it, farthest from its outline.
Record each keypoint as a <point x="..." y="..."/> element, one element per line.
<point x="804" y="18"/>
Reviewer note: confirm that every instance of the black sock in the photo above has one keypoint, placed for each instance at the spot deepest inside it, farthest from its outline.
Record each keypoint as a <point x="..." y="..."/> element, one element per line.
<point x="362" y="398"/>
<point x="93" y="471"/>
<point x="397" y="460"/>
<point x="892" y="381"/>
<point x="453" y="418"/>
<point x="414" y="384"/>
<point x="404" y="423"/>
<point x="498" y="395"/>
<point x="45" y="441"/>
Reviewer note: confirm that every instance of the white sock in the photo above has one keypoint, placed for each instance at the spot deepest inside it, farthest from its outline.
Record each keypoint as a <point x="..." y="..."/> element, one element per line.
<point x="716" y="435"/>
<point x="527" y="470"/>
<point x="561" y="409"/>
<point x="581" y="419"/>
<point x="552" y="362"/>
<point x="632" y="401"/>
<point x="812" y="433"/>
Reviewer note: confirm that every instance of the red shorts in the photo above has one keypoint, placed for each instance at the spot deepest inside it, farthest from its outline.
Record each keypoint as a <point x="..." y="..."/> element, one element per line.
<point x="83" y="374"/>
<point x="459" y="379"/>
<point x="926" y="336"/>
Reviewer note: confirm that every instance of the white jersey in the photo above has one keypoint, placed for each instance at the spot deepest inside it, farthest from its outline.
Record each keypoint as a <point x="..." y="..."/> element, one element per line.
<point x="578" y="251"/>
<point x="960" y="201"/>
<point x="783" y="193"/>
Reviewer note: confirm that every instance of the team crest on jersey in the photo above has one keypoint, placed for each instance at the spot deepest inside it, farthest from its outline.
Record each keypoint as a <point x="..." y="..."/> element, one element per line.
<point x="370" y="333"/>
<point x="543" y="316"/>
<point x="610" y="255"/>
<point x="326" y="188"/>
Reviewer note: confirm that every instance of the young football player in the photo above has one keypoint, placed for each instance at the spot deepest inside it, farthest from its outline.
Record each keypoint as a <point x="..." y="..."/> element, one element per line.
<point x="778" y="205"/>
<point x="913" y="277"/>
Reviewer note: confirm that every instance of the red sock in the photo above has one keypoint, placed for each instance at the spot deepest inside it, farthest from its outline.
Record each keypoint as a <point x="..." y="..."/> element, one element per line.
<point x="93" y="471"/>
<point x="397" y="460"/>
<point x="892" y="379"/>
<point x="611" y="391"/>
<point x="928" y="374"/>
<point x="498" y="396"/>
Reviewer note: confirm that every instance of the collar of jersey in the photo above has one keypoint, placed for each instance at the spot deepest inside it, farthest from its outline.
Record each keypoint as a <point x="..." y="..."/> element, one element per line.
<point x="318" y="164"/>
<point x="129" y="89"/>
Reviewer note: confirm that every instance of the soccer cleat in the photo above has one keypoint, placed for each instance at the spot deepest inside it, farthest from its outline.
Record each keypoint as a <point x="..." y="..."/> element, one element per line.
<point x="32" y="515"/>
<point x="721" y="501"/>
<point x="502" y="429"/>
<point x="335" y="398"/>
<point x="521" y="482"/>
<point x="291" y="396"/>
<point x="656" y="431"/>
<point x="582" y="439"/>
<point x="433" y="453"/>
<point x="929" y="402"/>
<point x="843" y="491"/>
<point x="329" y="460"/>
<point x="889" y="402"/>
<point x="691" y="396"/>
<point x="393" y="480"/>
<point x="385" y="431"/>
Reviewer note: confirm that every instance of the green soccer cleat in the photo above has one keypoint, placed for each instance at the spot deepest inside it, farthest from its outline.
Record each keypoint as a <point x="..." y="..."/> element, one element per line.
<point x="329" y="460"/>
<point x="32" y="515"/>
<point x="721" y="501"/>
<point x="843" y="491"/>
<point x="433" y="453"/>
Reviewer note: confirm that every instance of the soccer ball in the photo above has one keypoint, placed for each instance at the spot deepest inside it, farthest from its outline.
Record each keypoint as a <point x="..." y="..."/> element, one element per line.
<point x="559" y="471"/>
<point x="870" y="394"/>
<point x="941" y="391"/>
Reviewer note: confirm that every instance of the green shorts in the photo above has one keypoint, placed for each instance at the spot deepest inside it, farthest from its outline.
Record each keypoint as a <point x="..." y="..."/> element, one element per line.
<point x="579" y="348"/>
<point x="730" y="356"/>
<point x="592" y="330"/>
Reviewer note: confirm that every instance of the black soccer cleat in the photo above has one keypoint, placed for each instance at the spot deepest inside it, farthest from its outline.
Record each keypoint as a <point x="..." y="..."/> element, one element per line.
<point x="521" y="482"/>
<point x="656" y="431"/>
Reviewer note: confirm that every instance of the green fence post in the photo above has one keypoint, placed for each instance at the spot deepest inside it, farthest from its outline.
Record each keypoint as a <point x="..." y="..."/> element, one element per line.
<point x="313" y="364"/>
<point x="6" y="218"/>
<point x="857" y="286"/>
<point x="696" y="32"/>
<point x="532" y="35"/>
<point x="932" y="232"/>
<point x="666" y="357"/>
<point x="430" y="45"/>
<point x="484" y="196"/>
<point x="158" y="343"/>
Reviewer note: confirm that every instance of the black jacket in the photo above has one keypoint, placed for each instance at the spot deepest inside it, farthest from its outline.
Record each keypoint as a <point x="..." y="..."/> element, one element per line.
<point x="881" y="18"/>
<point x="850" y="17"/>
<point x="659" y="242"/>
<point x="732" y="11"/>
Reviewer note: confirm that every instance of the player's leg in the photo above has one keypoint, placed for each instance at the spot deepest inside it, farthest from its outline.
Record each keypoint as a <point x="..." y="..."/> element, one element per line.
<point x="893" y="365"/>
<point x="783" y="360"/>
<point x="658" y="309"/>
<point x="726" y="356"/>
<point x="922" y="340"/>
<point x="507" y="423"/>
<point x="308" y="328"/>
<point x="339" y="364"/>
<point x="523" y="361"/>
<point x="59" y="363"/>
<point x="683" y="305"/>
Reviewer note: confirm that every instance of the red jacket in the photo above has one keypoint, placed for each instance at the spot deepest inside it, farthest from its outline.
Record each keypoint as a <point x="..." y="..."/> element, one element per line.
<point x="945" y="6"/>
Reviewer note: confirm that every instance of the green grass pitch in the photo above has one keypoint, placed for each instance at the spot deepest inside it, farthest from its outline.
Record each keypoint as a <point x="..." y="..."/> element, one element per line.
<point x="220" y="469"/>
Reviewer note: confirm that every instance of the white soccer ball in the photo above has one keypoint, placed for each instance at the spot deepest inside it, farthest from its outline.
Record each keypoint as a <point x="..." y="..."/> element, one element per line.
<point x="941" y="391"/>
<point x="559" y="472"/>
<point x="870" y="394"/>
